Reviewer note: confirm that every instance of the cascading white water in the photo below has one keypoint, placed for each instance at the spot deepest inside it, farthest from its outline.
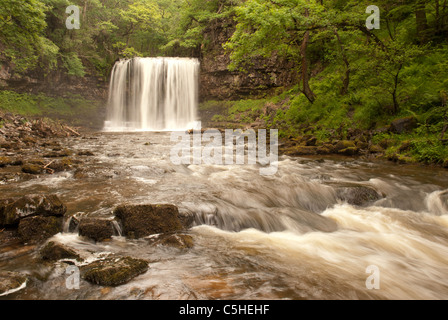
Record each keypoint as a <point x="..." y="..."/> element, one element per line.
<point x="152" y="94"/>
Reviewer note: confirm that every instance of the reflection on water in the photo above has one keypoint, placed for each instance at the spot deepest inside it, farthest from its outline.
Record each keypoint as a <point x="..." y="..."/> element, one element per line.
<point x="287" y="236"/>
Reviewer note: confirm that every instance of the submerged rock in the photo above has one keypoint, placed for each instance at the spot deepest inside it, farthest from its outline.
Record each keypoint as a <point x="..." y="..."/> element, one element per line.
<point x="113" y="271"/>
<point x="12" y="211"/>
<point x="11" y="282"/>
<point x="358" y="195"/>
<point x="180" y="241"/>
<point x="96" y="229"/>
<point x="39" y="228"/>
<point x="143" y="220"/>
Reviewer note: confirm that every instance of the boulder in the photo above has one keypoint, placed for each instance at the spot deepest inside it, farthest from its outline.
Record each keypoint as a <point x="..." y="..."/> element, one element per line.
<point x="54" y="251"/>
<point x="11" y="282"/>
<point x="113" y="271"/>
<point x="96" y="228"/>
<point x="357" y="195"/>
<point x="11" y="211"/>
<point x="351" y="151"/>
<point x="344" y="144"/>
<point x="139" y="221"/>
<point x="302" y="151"/>
<point x="376" y="149"/>
<point x="39" y="228"/>
<point x="403" y="125"/>
<point x="32" y="168"/>
<point x="5" y="161"/>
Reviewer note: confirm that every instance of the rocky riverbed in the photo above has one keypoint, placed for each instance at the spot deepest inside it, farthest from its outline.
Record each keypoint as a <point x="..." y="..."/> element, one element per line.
<point x="118" y="213"/>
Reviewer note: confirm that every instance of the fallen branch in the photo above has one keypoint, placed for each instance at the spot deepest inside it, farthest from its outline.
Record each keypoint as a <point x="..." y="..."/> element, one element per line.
<point x="72" y="131"/>
<point x="51" y="171"/>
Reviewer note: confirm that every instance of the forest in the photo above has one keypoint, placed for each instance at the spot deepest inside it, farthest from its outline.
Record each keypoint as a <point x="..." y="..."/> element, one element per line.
<point x="348" y="77"/>
<point x="346" y="102"/>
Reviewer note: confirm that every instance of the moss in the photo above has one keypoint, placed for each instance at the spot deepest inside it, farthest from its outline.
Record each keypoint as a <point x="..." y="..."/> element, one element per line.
<point x="58" y="251"/>
<point x="113" y="271"/>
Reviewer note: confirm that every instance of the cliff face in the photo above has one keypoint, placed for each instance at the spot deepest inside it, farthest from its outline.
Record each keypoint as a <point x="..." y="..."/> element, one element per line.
<point x="55" y="84"/>
<point x="218" y="83"/>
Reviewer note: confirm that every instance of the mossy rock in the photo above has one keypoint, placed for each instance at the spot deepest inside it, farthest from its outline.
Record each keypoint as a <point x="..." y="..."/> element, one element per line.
<point x="54" y="251"/>
<point x="32" y="168"/>
<point x="344" y="144"/>
<point x="113" y="271"/>
<point x="5" y="161"/>
<point x="38" y="228"/>
<point x="351" y="151"/>
<point x="12" y="210"/>
<point x="96" y="229"/>
<point x="376" y="149"/>
<point x="139" y="221"/>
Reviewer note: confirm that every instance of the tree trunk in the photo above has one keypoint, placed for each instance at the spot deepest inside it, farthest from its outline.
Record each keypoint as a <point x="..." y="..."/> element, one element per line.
<point x="394" y="92"/>
<point x="422" y="22"/>
<point x="346" y="81"/>
<point x="309" y="94"/>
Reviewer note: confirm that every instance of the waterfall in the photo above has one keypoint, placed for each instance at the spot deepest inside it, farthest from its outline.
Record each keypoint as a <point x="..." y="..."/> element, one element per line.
<point x="153" y="94"/>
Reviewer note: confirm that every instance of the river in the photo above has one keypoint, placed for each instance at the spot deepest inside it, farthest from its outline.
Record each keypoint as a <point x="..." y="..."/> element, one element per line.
<point x="285" y="236"/>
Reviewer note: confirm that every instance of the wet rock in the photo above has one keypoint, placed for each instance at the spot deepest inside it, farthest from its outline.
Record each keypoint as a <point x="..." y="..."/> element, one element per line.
<point x="376" y="149"/>
<point x="143" y="220"/>
<point x="362" y="144"/>
<point x="445" y="164"/>
<point x="302" y="151"/>
<point x="403" y="125"/>
<point x="85" y="153"/>
<point x="59" y="154"/>
<point x="358" y="195"/>
<point x="311" y="142"/>
<point x="351" y="151"/>
<point x="322" y="150"/>
<point x="11" y="282"/>
<point x="343" y="144"/>
<point x="180" y="241"/>
<point x="186" y="219"/>
<point x="54" y="251"/>
<point x="11" y="211"/>
<point x="38" y="228"/>
<point x="96" y="229"/>
<point x="32" y="168"/>
<point x="80" y="173"/>
<point x="113" y="271"/>
<point x="60" y="165"/>
<point x="5" y="161"/>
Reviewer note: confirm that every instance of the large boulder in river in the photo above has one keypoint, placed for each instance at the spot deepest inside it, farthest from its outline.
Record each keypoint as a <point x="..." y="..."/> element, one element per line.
<point x="358" y="195"/>
<point x="54" y="251"/>
<point x="39" y="228"/>
<point x="139" y="221"/>
<point x="113" y="271"/>
<point x="96" y="228"/>
<point x="13" y="210"/>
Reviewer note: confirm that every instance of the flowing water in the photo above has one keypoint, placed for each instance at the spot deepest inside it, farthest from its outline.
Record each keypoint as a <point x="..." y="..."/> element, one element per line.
<point x="286" y="236"/>
<point x="153" y="94"/>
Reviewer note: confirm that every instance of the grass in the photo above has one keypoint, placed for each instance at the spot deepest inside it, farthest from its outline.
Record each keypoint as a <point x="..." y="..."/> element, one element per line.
<point x="73" y="108"/>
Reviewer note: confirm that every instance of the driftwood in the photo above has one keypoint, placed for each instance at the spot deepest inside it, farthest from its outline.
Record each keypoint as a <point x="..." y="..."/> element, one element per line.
<point x="72" y="131"/>
<point x="51" y="171"/>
